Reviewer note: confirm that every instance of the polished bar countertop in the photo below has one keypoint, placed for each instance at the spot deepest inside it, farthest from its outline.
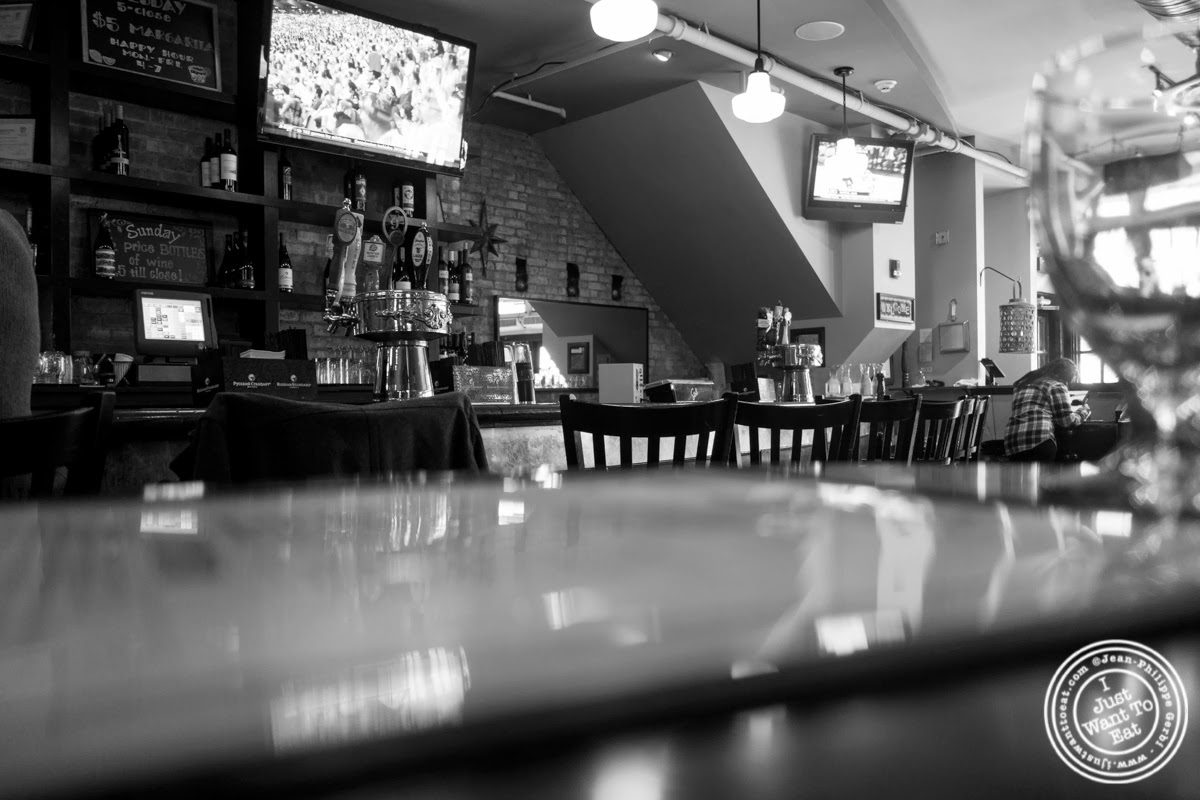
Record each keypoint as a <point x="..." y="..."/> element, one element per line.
<point x="691" y="634"/>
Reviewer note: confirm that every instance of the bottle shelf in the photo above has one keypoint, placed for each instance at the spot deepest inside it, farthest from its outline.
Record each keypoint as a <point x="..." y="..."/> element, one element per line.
<point x="19" y="64"/>
<point x="449" y="233"/>
<point x="129" y="187"/>
<point x="177" y="97"/>
<point x="316" y="302"/>
<point x="103" y="287"/>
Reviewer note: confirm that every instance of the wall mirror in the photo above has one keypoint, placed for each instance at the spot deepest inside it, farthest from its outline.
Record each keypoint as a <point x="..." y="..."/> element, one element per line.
<point x="569" y="340"/>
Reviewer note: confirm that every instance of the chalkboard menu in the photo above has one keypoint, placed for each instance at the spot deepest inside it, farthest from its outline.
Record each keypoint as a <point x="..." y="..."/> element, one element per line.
<point x="175" y="40"/>
<point x="156" y="249"/>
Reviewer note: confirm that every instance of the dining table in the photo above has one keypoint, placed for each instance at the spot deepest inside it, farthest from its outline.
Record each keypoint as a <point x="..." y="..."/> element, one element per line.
<point x="854" y="630"/>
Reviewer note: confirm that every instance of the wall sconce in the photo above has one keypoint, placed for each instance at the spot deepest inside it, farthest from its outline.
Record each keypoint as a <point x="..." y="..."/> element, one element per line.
<point x="572" y="280"/>
<point x="1018" y="319"/>
<point x="894" y="268"/>
<point x="616" y="289"/>
<point x="522" y="283"/>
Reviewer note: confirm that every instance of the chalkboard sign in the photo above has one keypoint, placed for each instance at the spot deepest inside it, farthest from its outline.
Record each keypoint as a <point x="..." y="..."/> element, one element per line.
<point x="175" y="40"/>
<point x="156" y="249"/>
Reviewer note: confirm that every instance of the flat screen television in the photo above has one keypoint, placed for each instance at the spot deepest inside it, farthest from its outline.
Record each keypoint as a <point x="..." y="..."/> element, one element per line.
<point x="868" y="183"/>
<point x="173" y="324"/>
<point x="348" y="82"/>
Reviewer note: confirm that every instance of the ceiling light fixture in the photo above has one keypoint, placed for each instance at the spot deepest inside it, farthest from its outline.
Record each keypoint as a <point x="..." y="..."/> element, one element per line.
<point x="820" y="31"/>
<point x="624" y="20"/>
<point x="664" y="55"/>
<point x="759" y="102"/>
<point x="845" y="161"/>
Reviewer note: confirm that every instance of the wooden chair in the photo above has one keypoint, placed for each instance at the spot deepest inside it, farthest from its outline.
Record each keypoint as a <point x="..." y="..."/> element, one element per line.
<point x="892" y="432"/>
<point x="78" y="439"/>
<point x="939" y="427"/>
<point x="713" y="420"/>
<point x="972" y="437"/>
<point x="837" y="420"/>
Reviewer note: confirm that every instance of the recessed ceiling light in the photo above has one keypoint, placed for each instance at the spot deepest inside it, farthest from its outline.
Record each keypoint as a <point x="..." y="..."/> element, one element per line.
<point x="663" y="55"/>
<point x="820" y="31"/>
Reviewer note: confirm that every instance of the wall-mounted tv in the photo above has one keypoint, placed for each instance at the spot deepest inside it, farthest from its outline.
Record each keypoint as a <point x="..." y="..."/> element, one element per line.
<point x="867" y="182"/>
<point x="352" y="83"/>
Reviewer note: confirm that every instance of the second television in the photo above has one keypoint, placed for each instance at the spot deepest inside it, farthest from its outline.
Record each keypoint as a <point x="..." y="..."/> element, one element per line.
<point x="349" y="82"/>
<point x="866" y="181"/>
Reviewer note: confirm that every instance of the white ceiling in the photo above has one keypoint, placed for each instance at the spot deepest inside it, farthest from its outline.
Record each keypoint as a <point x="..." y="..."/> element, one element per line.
<point x="962" y="65"/>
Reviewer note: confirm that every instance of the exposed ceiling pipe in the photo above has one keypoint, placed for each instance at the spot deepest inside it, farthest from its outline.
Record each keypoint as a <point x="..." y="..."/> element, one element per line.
<point x="529" y="101"/>
<point x="920" y="132"/>
<point x="612" y="49"/>
<point x="1177" y="11"/>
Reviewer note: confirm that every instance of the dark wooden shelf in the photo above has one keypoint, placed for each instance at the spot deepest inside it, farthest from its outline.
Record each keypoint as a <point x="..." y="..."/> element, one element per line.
<point x="464" y="310"/>
<point x="11" y="168"/>
<point x="177" y="97"/>
<point x="117" y="187"/>
<point x="449" y="232"/>
<point x="17" y="63"/>
<point x="322" y="214"/>
<point x="102" y="287"/>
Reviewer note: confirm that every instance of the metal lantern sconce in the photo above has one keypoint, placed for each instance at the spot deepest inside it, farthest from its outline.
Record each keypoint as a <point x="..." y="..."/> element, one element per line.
<point x="572" y="280"/>
<point x="1018" y="319"/>
<point x="522" y="282"/>
<point x="617" y="280"/>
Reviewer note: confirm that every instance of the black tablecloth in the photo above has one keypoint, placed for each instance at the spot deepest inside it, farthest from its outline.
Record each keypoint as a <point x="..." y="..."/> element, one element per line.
<point x="250" y="437"/>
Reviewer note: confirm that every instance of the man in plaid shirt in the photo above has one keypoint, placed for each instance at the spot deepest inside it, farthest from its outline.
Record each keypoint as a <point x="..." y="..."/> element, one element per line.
<point x="1041" y="403"/>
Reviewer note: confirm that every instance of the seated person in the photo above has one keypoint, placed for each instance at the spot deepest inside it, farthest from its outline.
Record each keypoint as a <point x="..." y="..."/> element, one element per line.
<point x="20" y="331"/>
<point x="1040" y="403"/>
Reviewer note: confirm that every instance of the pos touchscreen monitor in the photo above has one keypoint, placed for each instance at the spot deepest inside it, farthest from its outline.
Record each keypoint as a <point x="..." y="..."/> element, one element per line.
<point x="173" y="324"/>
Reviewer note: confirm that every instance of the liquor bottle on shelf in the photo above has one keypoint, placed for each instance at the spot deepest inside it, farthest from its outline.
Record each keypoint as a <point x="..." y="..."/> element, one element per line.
<point x="29" y="235"/>
<point x="443" y="282"/>
<point x="206" y="163"/>
<point x="222" y="276"/>
<point x="246" y="272"/>
<point x="214" y="162"/>
<point x="467" y="284"/>
<point x="99" y="151"/>
<point x="120" y="143"/>
<point x="285" y="267"/>
<point x="105" y="252"/>
<point x="348" y="183"/>
<point x="354" y="187"/>
<point x="285" y="176"/>
<point x="229" y="164"/>
<point x="401" y="272"/>
<point x="452" y="292"/>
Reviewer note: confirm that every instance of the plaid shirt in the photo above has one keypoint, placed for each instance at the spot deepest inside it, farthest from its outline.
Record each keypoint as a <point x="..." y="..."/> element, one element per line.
<point x="1037" y="408"/>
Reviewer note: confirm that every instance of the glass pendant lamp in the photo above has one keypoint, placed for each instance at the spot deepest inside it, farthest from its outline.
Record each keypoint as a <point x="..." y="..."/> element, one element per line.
<point x="759" y="102"/>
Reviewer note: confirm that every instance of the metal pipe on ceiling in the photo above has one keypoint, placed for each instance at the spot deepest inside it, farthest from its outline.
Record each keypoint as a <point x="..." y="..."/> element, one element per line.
<point x="920" y="132"/>
<point x="529" y="101"/>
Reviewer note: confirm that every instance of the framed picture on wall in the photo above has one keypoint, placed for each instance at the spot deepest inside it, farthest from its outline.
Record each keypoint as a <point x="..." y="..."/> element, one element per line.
<point x="16" y="23"/>
<point x="893" y="308"/>
<point x="16" y="138"/>
<point x="579" y="358"/>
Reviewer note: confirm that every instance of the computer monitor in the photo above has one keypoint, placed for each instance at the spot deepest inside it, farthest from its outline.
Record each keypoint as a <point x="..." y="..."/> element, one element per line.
<point x="173" y="324"/>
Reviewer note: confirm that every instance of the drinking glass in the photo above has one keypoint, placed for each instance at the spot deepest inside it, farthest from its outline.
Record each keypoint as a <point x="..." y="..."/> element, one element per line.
<point x="1114" y="141"/>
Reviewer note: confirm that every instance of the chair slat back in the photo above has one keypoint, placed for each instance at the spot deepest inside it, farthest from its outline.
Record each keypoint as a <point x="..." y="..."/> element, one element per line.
<point x="708" y="422"/>
<point x="938" y="426"/>
<point x="973" y="429"/>
<point x="832" y="426"/>
<point x="78" y="439"/>
<point x="892" y="429"/>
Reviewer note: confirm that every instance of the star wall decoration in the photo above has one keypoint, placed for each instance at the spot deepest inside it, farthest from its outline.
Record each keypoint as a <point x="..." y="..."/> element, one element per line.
<point x="486" y="240"/>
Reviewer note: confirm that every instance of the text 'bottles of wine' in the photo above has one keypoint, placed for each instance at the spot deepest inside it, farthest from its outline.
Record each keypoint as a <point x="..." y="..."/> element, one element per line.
<point x="285" y="267"/>
<point x="105" y="252"/>
<point x="229" y="164"/>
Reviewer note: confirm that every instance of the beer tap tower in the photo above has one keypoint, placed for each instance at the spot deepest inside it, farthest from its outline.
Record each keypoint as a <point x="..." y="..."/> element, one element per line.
<point x="401" y="323"/>
<point x="796" y="360"/>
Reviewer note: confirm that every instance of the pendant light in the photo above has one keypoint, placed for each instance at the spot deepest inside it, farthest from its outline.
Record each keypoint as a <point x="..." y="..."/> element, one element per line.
<point x="845" y="161"/>
<point x="1018" y="319"/>
<point x="624" y="20"/>
<point x="760" y="102"/>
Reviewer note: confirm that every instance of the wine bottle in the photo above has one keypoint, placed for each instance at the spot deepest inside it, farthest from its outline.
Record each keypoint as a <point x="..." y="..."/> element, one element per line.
<point x="98" y="152"/>
<point x="401" y="272"/>
<point x="348" y="183"/>
<point x="105" y="143"/>
<point x="246" y="272"/>
<point x="452" y="292"/>
<point x="206" y="163"/>
<point x="29" y="234"/>
<point x="214" y="161"/>
<point x="229" y="164"/>
<point x="285" y="176"/>
<point x="285" y="267"/>
<point x="105" y="252"/>
<point x="467" y="284"/>
<point x="222" y="275"/>
<point x="120" y="143"/>
<point x="443" y="284"/>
